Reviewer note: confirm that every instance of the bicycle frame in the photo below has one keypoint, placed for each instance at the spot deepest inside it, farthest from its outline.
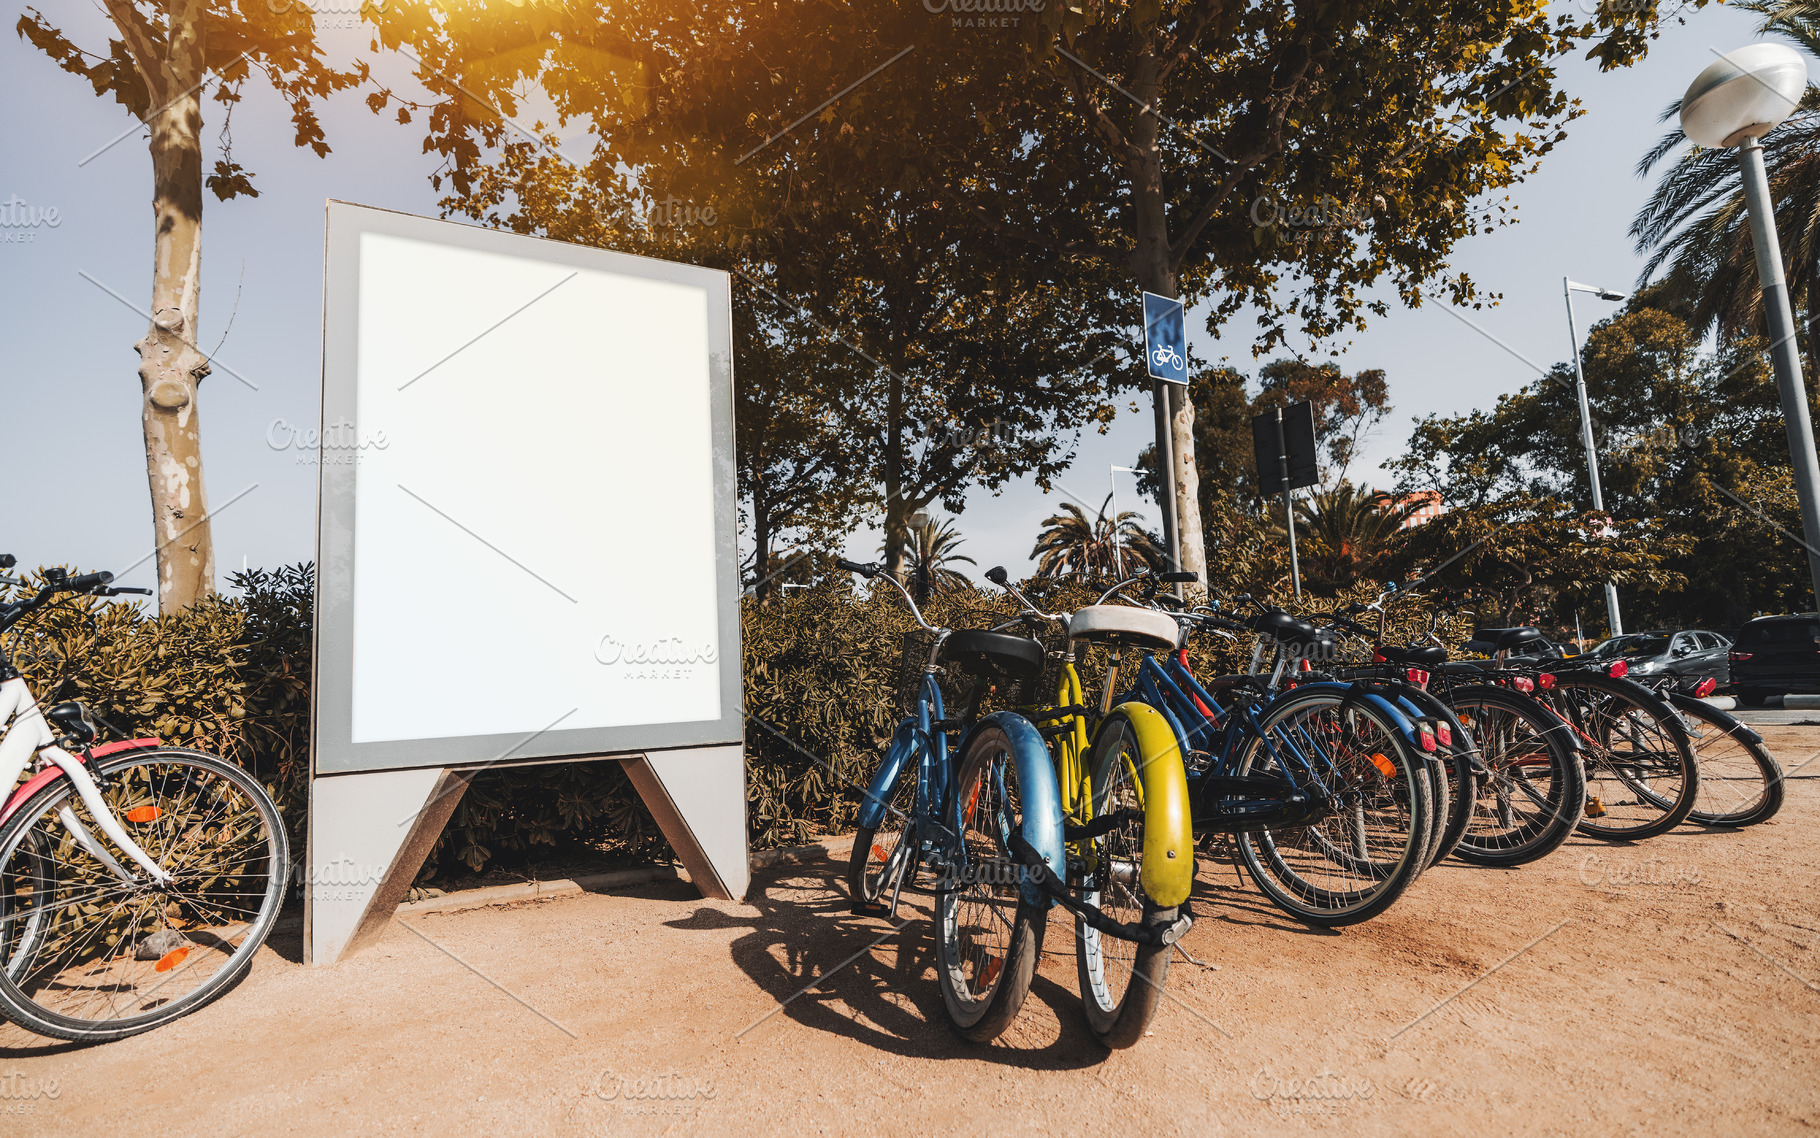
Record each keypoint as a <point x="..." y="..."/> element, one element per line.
<point x="918" y="738"/>
<point x="30" y="735"/>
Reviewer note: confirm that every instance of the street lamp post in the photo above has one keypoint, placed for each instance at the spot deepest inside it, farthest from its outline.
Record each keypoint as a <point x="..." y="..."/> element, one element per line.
<point x="1735" y="102"/>
<point x="1112" y="473"/>
<point x="1568" y="288"/>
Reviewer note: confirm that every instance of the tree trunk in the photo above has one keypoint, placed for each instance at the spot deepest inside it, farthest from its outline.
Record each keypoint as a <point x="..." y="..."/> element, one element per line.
<point x="896" y="530"/>
<point x="761" y="540"/>
<point x="170" y="365"/>
<point x="1150" y="261"/>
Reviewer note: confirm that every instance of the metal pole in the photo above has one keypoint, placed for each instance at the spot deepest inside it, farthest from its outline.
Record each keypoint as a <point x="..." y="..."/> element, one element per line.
<point x="1782" y="350"/>
<point x="1592" y="454"/>
<point x="1295" y="568"/>
<point x="1165" y="466"/>
<point x="1112" y="481"/>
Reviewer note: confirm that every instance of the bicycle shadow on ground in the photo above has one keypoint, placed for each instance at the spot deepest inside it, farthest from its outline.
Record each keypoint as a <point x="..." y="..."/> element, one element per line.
<point x="854" y="977"/>
<point x="1224" y="894"/>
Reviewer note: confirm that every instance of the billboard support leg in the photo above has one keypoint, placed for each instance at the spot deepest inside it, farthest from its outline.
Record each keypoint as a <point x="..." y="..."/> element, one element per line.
<point x="368" y="836"/>
<point x="698" y="796"/>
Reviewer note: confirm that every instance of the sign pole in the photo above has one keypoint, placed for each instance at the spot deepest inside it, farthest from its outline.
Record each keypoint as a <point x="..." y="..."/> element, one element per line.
<point x="1295" y="568"/>
<point x="1165" y="460"/>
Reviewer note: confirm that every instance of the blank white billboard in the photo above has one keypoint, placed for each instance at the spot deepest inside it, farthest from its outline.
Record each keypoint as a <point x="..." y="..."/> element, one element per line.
<point x="526" y="543"/>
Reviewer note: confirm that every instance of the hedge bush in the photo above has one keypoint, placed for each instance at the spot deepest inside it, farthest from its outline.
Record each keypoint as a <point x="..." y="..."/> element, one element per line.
<point x="231" y="676"/>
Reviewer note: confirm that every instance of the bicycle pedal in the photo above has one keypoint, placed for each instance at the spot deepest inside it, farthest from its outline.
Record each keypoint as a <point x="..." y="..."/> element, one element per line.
<point x="1595" y="808"/>
<point x="870" y="909"/>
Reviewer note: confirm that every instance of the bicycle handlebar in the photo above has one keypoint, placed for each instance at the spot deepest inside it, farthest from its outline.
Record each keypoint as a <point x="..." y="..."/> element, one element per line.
<point x="873" y="571"/>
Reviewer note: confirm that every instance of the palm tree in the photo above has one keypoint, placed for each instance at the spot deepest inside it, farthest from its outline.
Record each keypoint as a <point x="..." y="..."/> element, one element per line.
<point x="1348" y="530"/>
<point x="1072" y="546"/>
<point x="1710" y="261"/>
<point x="928" y="554"/>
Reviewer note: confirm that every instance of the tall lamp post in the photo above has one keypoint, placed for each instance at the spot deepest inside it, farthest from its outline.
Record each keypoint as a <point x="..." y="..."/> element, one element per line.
<point x="1568" y="288"/>
<point x="1112" y="477"/>
<point x="1735" y="102"/>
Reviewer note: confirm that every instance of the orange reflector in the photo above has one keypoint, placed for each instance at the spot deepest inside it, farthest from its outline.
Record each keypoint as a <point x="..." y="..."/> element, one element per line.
<point x="878" y="852"/>
<point x="171" y="959"/>
<point x="1385" y="767"/>
<point x="143" y="814"/>
<point x="989" y="974"/>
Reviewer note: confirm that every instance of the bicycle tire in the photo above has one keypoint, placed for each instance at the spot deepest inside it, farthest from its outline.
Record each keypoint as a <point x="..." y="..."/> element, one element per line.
<point x="1398" y="802"/>
<point x="1727" y="776"/>
<point x="1119" y="1008"/>
<point x="984" y="960"/>
<point x="180" y="796"/>
<point x="883" y="843"/>
<point x="1649" y="772"/>
<point x="1518" y="736"/>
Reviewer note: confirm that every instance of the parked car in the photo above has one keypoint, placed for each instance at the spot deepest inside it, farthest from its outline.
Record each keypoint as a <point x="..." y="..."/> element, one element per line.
<point x="1689" y="654"/>
<point x="1776" y="655"/>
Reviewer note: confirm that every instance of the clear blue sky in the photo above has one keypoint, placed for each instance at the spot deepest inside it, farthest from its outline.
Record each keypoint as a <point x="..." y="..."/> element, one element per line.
<point x="74" y="451"/>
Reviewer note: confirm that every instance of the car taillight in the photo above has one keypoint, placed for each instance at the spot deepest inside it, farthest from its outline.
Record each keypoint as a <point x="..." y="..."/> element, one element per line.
<point x="1417" y="677"/>
<point x="1546" y="681"/>
<point x="1523" y="684"/>
<point x="1705" y="687"/>
<point x="1619" y="670"/>
<point x="1739" y="657"/>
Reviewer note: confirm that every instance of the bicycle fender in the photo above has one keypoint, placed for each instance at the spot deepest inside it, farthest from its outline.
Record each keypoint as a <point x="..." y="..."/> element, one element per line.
<point x="1042" y="797"/>
<point x="1390" y="710"/>
<point x="1168" y="870"/>
<point x="903" y="746"/>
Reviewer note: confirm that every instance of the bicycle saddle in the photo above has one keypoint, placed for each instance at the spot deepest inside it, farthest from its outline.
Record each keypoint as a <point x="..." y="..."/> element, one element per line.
<point x="995" y="653"/>
<point x="1416" y="655"/>
<point x="1282" y="627"/>
<point x="74" y="719"/>
<point x="1123" y="624"/>
<point x="1493" y="640"/>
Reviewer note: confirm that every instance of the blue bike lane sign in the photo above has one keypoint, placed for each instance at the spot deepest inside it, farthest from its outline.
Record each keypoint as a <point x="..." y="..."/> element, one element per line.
<point x="1165" y="339"/>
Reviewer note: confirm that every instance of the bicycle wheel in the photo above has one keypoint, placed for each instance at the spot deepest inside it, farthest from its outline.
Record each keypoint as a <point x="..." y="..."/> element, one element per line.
<point x="1533" y="791"/>
<point x="1740" y="781"/>
<point x="1121" y="982"/>
<point x="85" y="953"/>
<point x="885" y="857"/>
<point x="1641" y="778"/>
<point x="988" y="936"/>
<point x="1352" y="864"/>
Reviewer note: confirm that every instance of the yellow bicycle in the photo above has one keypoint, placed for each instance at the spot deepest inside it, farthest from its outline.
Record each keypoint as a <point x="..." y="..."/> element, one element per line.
<point x="1126" y="816"/>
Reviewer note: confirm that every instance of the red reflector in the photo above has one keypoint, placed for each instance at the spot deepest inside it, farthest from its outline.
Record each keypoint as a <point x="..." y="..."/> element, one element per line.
<point x="1428" y="738"/>
<point x="1378" y="657"/>
<point x="1416" y="676"/>
<point x="1306" y="666"/>
<point x="1523" y="683"/>
<point x="1619" y="670"/>
<point x="1444" y="734"/>
<point x="1546" y="681"/>
<point x="1705" y="687"/>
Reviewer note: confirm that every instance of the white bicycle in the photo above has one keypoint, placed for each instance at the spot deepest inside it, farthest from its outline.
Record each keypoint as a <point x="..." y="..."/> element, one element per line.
<point x="1165" y="356"/>
<point x="137" y="881"/>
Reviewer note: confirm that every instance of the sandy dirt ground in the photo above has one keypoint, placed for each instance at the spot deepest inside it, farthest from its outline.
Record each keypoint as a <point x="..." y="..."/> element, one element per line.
<point x="1668" y="987"/>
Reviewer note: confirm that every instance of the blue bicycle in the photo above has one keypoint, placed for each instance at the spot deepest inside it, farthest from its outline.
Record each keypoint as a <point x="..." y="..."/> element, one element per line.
<point x="926" y="826"/>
